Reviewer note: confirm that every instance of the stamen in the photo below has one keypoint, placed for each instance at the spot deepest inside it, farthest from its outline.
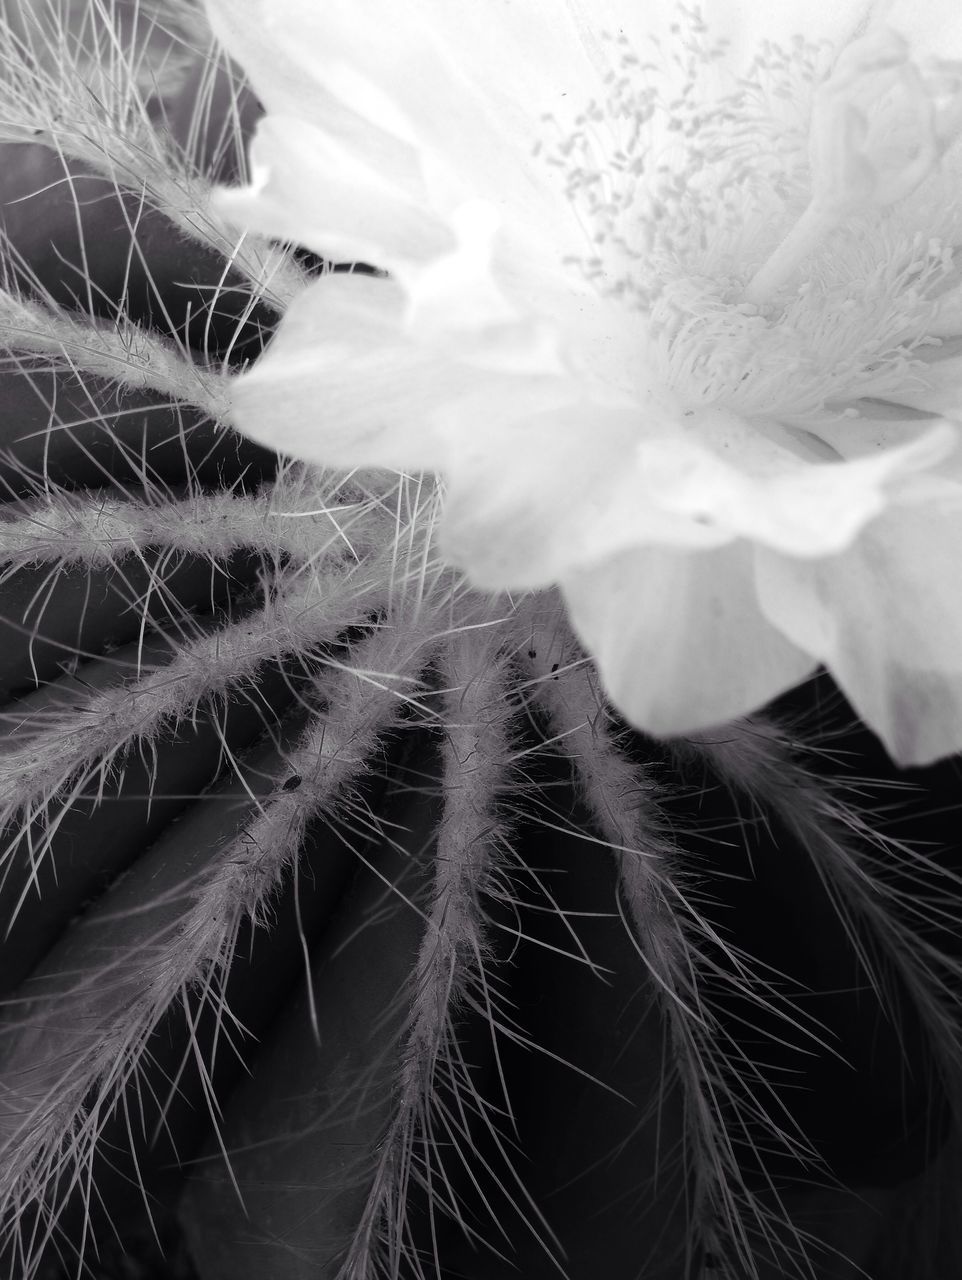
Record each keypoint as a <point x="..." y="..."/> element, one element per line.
<point x="785" y="178"/>
<point x="658" y="171"/>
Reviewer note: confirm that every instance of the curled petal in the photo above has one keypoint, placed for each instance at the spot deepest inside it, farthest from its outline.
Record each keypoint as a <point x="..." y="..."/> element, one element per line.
<point x="875" y="426"/>
<point x="882" y="427"/>
<point x="885" y="617"/>
<point x="679" y="637"/>
<point x="752" y="480"/>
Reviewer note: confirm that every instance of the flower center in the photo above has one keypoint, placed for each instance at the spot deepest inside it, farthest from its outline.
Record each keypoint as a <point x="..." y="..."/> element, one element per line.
<point x="830" y="341"/>
<point x="763" y="233"/>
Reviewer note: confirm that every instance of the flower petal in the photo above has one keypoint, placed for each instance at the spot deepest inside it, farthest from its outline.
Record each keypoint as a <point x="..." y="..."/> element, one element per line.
<point x="752" y="479"/>
<point x="323" y="389"/>
<point x="313" y="188"/>
<point x="932" y="27"/>
<point x="527" y="501"/>
<point x="344" y="384"/>
<point x="283" y="79"/>
<point x="883" y="427"/>
<point x="885" y="617"/>
<point x="679" y="638"/>
<point x="471" y="86"/>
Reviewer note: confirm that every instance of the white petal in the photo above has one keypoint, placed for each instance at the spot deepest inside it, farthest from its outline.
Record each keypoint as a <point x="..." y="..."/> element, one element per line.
<point x="883" y="426"/>
<point x="315" y="189"/>
<point x="530" y="500"/>
<point x="679" y="638"/>
<point x="471" y="86"/>
<point x="933" y="26"/>
<point x="752" y="479"/>
<point x="343" y="384"/>
<point x="877" y="427"/>
<point x="886" y="618"/>
<point x="534" y="498"/>
<point x="252" y="31"/>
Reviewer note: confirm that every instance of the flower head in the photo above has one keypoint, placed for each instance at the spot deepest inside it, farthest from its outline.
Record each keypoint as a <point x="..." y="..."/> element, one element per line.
<point x="673" y="311"/>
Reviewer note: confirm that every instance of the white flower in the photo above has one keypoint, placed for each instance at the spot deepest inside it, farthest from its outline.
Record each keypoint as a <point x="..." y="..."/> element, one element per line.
<point x="675" y="316"/>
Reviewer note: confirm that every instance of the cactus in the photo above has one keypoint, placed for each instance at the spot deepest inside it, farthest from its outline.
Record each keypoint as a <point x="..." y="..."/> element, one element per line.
<point x="347" y="931"/>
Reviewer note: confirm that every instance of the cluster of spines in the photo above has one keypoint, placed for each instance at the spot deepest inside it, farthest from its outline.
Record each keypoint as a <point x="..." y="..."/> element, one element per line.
<point x="362" y="562"/>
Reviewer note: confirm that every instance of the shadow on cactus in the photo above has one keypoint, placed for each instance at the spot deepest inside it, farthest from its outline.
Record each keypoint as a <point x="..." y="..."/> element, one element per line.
<point x="346" y="930"/>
